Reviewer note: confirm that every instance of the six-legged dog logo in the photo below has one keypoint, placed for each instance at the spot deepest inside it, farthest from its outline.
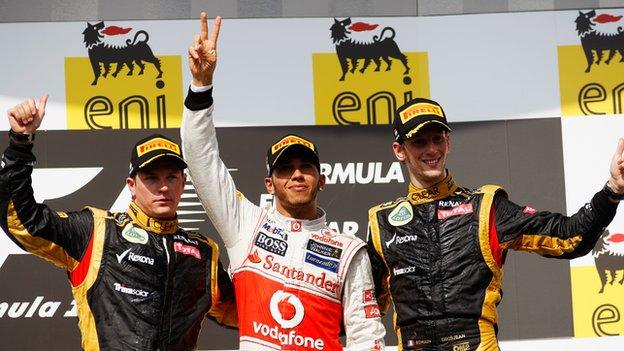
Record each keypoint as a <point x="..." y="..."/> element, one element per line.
<point x="599" y="34"/>
<point x="609" y="258"/>
<point x="359" y="41"/>
<point x="103" y="54"/>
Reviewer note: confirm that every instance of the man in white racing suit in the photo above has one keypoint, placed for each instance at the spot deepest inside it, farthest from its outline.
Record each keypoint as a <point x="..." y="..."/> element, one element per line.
<point x="297" y="282"/>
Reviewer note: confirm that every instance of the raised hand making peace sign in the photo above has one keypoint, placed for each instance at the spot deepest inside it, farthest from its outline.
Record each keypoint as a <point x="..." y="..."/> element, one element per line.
<point x="202" y="53"/>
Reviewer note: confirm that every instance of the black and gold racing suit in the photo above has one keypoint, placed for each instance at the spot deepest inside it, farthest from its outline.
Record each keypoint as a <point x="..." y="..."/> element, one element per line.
<point x="438" y="255"/>
<point x="139" y="283"/>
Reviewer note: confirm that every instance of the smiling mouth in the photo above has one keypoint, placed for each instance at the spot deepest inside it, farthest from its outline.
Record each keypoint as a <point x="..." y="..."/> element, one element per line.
<point x="432" y="162"/>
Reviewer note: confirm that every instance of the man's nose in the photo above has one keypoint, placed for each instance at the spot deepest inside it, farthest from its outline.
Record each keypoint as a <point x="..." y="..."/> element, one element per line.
<point x="297" y="173"/>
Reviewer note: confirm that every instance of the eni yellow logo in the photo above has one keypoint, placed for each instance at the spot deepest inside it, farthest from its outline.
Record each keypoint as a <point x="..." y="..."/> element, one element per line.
<point x="122" y="84"/>
<point x="367" y="78"/>
<point x="597" y="290"/>
<point x="591" y="75"/>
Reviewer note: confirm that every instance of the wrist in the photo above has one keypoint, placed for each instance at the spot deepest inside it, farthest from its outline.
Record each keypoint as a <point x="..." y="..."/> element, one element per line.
<point x="205" y="81"/>
<point x="613" y="193"/>
<point x="21" y="138"/>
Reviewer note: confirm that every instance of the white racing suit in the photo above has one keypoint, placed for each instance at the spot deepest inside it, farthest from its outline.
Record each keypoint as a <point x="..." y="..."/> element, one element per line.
<point x="297" y="282"/>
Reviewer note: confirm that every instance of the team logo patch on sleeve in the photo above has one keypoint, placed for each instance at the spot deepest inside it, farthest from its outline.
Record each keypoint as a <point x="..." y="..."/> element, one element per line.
<point x="324" y="263"/>
<point x="369" y="296"/>
<point x="372" y="311"/>
<point x="324" y="249"/>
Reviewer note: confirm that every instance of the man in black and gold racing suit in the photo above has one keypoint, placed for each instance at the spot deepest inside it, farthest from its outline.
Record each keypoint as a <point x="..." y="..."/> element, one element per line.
<point x="437" y="253"/>
<point x="140" y="281"/>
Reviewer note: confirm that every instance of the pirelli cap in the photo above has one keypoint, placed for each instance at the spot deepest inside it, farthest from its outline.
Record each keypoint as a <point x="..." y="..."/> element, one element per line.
<point x="414" y="115"/>
<point x="149" y="149"/>
<point x="288" y="145"/>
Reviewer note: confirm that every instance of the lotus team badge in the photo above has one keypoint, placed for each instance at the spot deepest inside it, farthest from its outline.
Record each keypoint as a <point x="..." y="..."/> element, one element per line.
<point x="134" y="234"/>
<point x="402" y="214"/>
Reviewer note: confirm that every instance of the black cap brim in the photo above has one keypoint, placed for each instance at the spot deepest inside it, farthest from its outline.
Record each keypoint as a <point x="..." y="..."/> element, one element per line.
<point x="430" y="122"/>
<point x="179" y="161"/>
<point x="292" y="150"/>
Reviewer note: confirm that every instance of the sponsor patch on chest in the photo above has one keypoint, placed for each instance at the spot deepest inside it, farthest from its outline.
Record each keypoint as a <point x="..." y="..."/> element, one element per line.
<point x="134" y="234"/>
<point x="455" y="211"/>
<point x="187" y="250"/>
<point x="324" y="249"/>
<point x="275" y="231"/>
<point x="401" y="215"/>
<point x="271" y="244"/>
<point x="321" y="262"/>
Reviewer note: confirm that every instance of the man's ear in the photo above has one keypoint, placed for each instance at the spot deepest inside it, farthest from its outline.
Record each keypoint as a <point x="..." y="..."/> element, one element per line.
<point x="268" y="184"/>
<point x="131" y="183"/>
<point x="399" y="151"/>
<point x="322" y="181"/>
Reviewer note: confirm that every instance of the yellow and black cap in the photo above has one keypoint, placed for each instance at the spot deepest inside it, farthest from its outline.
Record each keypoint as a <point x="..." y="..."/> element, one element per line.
<point x="152" y="148"/>
<point x="287" y="146"/>
<point x="416" y="114"/>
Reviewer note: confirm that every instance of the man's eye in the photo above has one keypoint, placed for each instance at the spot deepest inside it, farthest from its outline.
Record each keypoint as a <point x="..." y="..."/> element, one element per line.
<point x="420" y="142"/>
<point x="283" y="169"/>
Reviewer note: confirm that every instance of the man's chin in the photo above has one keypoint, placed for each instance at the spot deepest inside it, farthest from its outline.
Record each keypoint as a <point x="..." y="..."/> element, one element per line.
<point x="434" y="175"/>
<point x="164" y="214"/>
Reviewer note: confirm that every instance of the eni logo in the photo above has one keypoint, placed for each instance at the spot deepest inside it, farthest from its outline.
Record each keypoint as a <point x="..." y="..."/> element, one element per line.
<point x="591" y="73"/>
<point x="121" y="83"/>
<point x="367" y="77"/>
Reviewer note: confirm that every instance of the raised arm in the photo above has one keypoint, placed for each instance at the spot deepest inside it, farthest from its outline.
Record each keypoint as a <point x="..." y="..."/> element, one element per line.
<point x="57" y="237"/>
<point x="556" y="235"/>
<point x="228" y="210"/>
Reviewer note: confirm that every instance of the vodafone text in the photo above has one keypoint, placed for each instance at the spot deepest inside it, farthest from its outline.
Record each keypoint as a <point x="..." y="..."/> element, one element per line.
<point x="290" y="338"/>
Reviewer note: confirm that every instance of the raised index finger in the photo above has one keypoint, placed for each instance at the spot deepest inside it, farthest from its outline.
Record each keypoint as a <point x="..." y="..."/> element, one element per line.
<point x="204" y="26"/>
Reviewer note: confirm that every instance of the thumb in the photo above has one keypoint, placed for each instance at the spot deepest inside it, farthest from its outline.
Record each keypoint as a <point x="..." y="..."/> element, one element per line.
<point x="42" y="104"/>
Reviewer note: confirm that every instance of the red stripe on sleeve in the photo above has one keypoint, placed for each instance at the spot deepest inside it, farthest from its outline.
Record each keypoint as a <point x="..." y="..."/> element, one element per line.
<point x="494" y="244"/>
<point x="78" y="275"/>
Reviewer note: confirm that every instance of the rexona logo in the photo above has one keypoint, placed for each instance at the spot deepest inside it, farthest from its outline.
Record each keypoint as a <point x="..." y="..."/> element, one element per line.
<point x="597" y="291"/>
<point x="368" y="75"/>
<point x="121" y="84"/>
<point x="591" y="75"/>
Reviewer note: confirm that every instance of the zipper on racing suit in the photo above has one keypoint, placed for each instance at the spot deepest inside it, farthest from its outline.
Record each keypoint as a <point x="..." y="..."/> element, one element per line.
<point x="166" y="314"/>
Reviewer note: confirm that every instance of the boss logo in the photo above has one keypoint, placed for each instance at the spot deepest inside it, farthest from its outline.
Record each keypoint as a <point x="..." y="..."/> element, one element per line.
<point x="270" y="244"/>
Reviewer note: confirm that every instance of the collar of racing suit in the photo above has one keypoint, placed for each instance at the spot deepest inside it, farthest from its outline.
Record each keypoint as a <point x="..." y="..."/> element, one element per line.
<point x="442" y="189"/>
<point x="146" y="222"/>
<point x="300" y="225"/>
